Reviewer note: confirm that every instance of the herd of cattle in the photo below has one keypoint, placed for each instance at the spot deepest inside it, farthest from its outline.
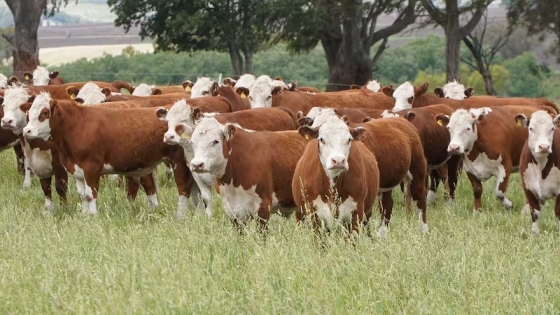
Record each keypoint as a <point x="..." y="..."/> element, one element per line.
<point x="270" y="147"/>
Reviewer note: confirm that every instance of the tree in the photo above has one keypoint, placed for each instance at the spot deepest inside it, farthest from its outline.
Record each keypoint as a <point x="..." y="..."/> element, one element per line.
<point x="483" y="51"/>
<point x="449" y="18"/>
<point x="347" y="30"/>
<point x="540" y="17"/>
<point x="234" y="26"/>
<point x="27" y="16"/>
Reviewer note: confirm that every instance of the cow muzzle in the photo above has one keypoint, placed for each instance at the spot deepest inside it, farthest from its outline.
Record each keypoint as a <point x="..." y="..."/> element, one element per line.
<point x="544" y="148"/>
<point x="197" y="166"/>
<point x="7" y="123"/>
<point x="338" y="163"/>
<point x="29" y="133"/>
<point x="170" y="138"/>
<point x="454" y="149"/>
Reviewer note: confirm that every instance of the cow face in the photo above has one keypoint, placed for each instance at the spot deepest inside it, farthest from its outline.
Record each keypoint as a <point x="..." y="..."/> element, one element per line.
<point x="204" y="87"/>
<point x="334" y="140"/>
<point x="462" y="128"/>
<point x="39" y="116"/>
<point x="262" y="90"/>
<point x="405" y="95"/>
<point x="454" y="90"/>
<point x="14" y="118"/>
<point x="373" y="86"/>
<point x="41" y="76"/>
<point x="541" y="131"/>
<point x="179" y="118"/>
<point x="90" y="93"/>
<point x="143" y="90"/>
<point x="209" y="140"/>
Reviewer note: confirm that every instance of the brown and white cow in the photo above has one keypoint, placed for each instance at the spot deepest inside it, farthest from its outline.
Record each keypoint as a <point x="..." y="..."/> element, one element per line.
<point x="41" y="76"/>
<point x="144" y="89"/>
<point x="400" y="157"/>
<point x="87" y="157"/>
<point x="454" y="90"/>
<point x="490" y="143"/>
<point x="540" y="163"/>
<point x="337" y="177"/>
<point x="237" y="102"/>
<point x="292" y="86"/>
<point x="204" y="86"/>
<point x="250" y="185"/>
<point x="243" y="84"/>
<point x="8" y="139"/>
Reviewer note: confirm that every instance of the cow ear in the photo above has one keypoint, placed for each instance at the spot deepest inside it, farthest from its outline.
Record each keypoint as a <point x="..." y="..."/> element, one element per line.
<point x="305" y="121"/>
<point x="242" y="92"/>
<point x="53" y="104"/>
<point x="25" y="107"/>
<point x="13" y="80"/>
<point x="299" y="114"/>
<point x="161" y="113"/>
<point x="53" y="74"/>
<point x="106" y="91"/>
<point x="479" y="113"/>
<point x="187" y="85"/>
<point x="214" y="89"/>
<point x="27" y="76"/>
<point x="197" y="113"/>
<point x="229" y="132"/>
<point x="366" y="119"/>
<point x="556" y="121"/>
<point x="442" y="120"/>
<point x="422" y="89"/>
<point x="31" y="98"/>
<point x="72" y="91"/>
<point x="308" y="133"/>
<point x="336" y="113"/>
<point x="388" y="90"/>
<point x="276" y="90"/>
<point x="292" y="86"/>
<point x="522" y="120"/>
<point x="410" y="116"/>
<point x="345" y="119"/>
<point x="156" y="91"/>
<point x="1" y="101"/>
<point x="439" y="92"/>
<point x="358" y="134"/>
<point x="469" y="92"/>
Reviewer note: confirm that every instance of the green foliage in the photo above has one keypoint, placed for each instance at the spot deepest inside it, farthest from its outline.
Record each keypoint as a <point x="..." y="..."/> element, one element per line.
<point x="525" y="76"/>
<point x="500" y="76"/>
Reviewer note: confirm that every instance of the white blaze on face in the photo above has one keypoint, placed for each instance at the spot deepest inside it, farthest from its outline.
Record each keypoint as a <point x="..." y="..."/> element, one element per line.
<point x="373" y="86"/>
<point x="202" y="87"/>
<point x="463" y="130"/>
<point x="245" y="81"/>
<point x="39" y="115"/>
<point x="335" y="141"/>
<point x="3" y="81"/>
<point x="142" y="90"/>
<point x="14" y="118"/>
<point x="208" y="139"/>
<point x="541" y="131"/>
<point x="315" y="111"/>
<point x="404" y="96"/>
<point x="260" y="93"/>
<point x="90" y="93"/>
<point x="323" y="116"/>
<point x="454" y="90"/>
<point x="41" y="76"/>
<point x="178" y="118"/>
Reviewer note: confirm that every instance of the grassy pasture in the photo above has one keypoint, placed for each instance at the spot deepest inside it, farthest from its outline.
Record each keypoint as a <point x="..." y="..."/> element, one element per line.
<point x="129" y="260"/>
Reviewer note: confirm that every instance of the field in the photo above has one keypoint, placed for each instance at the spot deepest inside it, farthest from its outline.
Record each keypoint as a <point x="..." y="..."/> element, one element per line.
<point x="129" y="260"/>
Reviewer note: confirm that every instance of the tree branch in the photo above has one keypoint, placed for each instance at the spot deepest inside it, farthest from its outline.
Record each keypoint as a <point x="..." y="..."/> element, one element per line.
<point x="380" y="50"/>
<point x="475" y="19"/>
<point x="406" y="17"/>
<point x="437" y="15"/>
<point x="9" y="38"/>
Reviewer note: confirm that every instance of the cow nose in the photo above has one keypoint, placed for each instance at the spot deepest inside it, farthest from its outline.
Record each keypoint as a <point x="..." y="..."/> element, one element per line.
<point x="544" y="147"/>
<point x="197" y="166"/>
<point x="7" y="121"/>
<point x="453" y="148"/>
<point x="338" y="162"/>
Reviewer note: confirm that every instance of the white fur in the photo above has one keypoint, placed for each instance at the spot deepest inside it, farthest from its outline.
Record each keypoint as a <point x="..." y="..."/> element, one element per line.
<point x="431" y="197"/>
<point x="27" y="174"/>
<point x="41" y="76"/>
<point x="201" y="87"/>
<point x="388" y="114"/>
<point x="40" y="162"/>
<point x="334" y="152"/>
<point x="49" y="204"/>
<point x="14" y="118"/>
<point x="153" y="200"/>
<point x="373" y="86"/>
<point x="3" y="81"/>
<point x="541" y="132"/>
<point x="313" y="112"/>
<point x="91" y="94"/>
<point x="182" y="206"/>
<point x="84" y="191"/>
<point x="323" y="116"/>
<point x="463" y="129"/>
<point x="207" y="140"/>
<point x="239" y="203"/>
<point x="245" y="81"/>
<point x="454" y="90"/>
<point x="401" y="95"/>
<point x="35" y="128"/>
<point x="143" y="90"/>
<point x="260" y="93"/>
<point x="484" y="168"/>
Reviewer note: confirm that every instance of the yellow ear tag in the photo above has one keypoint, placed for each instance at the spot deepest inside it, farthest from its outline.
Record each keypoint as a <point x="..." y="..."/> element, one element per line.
<point x="440" y="122"/>
<point x="26" y="77"/>
<point x="185" y="136"/>
<point x="243" y="95"/>
<point x="187" y="88"/>
<point x="307" y="136"/>
<point x="72" y="96"/>
<point x="519" y="123"/>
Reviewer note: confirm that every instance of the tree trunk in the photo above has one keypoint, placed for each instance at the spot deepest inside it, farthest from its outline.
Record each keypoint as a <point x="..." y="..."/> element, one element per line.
<point x="452" y="42"/>
<point x="352" y="64"/>
<point x="248" y="62"/>
<point x="27" y="16"/>
<point x="488" y="83"/>
<point x="236" y="60"/>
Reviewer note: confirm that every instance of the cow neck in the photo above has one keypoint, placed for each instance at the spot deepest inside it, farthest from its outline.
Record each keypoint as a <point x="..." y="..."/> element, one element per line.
<point x="475" y="150"/>
<point x="62" y="127"/>
<point x="35" y="143"/>
<point x="230" y="171"/>
<point x="546" y="164"/>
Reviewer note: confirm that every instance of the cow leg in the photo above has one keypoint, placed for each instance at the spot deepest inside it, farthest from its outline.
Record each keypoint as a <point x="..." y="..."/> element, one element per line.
<point x="557" y="211"/>
<point x="20" y="158"/>
<point x="536" y="210"/>
<point x="148" y="182"/>
<point x="418" y="194"/>
<point x="80" y="187"/>
<point x="357" y="218"/>
<point x="453" y="174"/>
<point x="183" y="178"/>
<point x="27" y="174"/>
<point x="206" y="195"/>
<point x="168" y="169"/>
<point x="46" y="186"/>
<point x="264" y="214"/>
<point x="60" y="182"/>
<point x="434" y="183"/>
<point x="477" y="191"/>
<point x="91" y="187"/>
<point x="502" y="184"/>
<point x="132" y="186"/>
<point x="386" y="210"/>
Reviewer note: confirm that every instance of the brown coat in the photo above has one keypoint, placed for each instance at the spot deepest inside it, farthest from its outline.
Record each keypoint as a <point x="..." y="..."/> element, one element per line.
<point x="237" y="102"/>
<point x="259" y="119"/>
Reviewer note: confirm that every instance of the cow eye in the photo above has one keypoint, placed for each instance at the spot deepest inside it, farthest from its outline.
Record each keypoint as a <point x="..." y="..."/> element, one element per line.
<point x="204" y="92"/>
<point x="215" y="142"/>
<point x="410" y="99"/>
<point x="530" y="128"/>
<point x="268" y="97"/>
<point x="468" y="128"/>
<point x="250" y="97"/>
<point x="322" y="140"/>
<point x="349" y="140"/>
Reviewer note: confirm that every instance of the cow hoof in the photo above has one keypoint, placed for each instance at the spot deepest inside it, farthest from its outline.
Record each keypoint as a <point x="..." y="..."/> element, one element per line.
<point x="535" y="229"/>
<point x="180" y="215"/>
<point x="431" y="197"/>
<point x="382" y="232"/>
<point x="424" y="228"/>
<point x="26" y="184"/>
<point x="507" y="204"/>
<point x="526" y="209"/>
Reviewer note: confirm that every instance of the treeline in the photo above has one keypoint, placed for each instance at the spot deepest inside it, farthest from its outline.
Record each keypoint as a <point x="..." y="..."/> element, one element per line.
<point x="417" y="61"/>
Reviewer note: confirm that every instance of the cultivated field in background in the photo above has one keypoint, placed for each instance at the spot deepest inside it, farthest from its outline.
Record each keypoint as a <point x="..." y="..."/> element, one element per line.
<point x="128" y="259"/>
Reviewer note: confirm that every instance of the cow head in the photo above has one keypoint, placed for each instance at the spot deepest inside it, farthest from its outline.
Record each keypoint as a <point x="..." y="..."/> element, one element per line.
<point x="541" y="131"/>
<point x="204" y="87"/>
<point x="262" y="90"/>
<point x="405" y="95"/>
<point x="334" y="140"/>
<point x="53" y="75"/>
<point x="209" y="140"/>
<point x="373" y="86"/>
<point x="180" y="122"/>
<point x="245" y="81"/>
<point x="187" y="85"/>
<point x="227" y="81"/>
<point x="454" y="90"/>
<point x="143" y="90"/>
<point x="462" y="126"/>
<point x="39" y="115"/>
<point x="14" y="115"/>
<point x="90" y="93"/>
<point x="41" y="76"/>
<point x="3" y="81"/>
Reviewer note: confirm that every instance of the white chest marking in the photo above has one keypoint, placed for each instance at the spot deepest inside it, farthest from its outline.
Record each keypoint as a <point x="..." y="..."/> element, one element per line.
<point x="108" y="169"/>
<point x="239" y="203"/>
<point x="484" y="168"/>
<point x="325" y="211"/>
<point x="40" y="162"/>
<point x="542" y="188"/>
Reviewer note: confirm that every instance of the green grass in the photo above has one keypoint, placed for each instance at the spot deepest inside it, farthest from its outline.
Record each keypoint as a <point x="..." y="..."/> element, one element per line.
<point x="129" y="260"/>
